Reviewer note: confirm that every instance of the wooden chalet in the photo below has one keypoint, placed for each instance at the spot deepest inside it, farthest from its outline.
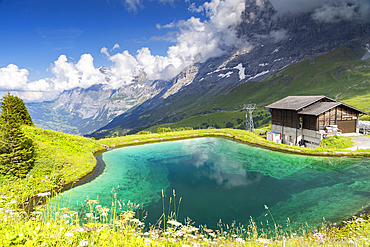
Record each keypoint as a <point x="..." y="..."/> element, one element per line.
<point x="310" y="118"/>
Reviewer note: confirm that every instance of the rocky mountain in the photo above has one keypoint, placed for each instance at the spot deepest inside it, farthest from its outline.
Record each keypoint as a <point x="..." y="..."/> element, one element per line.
<point x="269" y="41"/>
<point x="81" y="111"/>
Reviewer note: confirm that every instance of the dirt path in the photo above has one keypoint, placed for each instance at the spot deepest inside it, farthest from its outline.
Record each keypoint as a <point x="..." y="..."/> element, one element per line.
<point x="360" y="142"/>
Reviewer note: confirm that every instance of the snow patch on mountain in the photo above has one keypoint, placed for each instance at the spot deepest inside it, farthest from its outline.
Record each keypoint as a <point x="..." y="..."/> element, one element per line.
<point x="367" y="55"/>
<point x="259" y="74"/>
<point x="241" y="71"/>
<point x="227" y="75"/>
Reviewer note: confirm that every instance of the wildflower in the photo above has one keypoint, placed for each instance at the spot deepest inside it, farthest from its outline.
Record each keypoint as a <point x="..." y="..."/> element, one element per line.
<point x="89" y="215"/>
<point x="104" y="214"/>
<point x="320" y="236"/>
<point x="240" y="240"/>
<point x="69" y="234"/>
<point x="84" y="243"/>
<point x="43" y="194"/>
<point x="263" y="241"/>
<point x="13" y="202"/>
<point x="266" y="207"/>
<point x="92" y="202"/>
<point x="174" y="223"/>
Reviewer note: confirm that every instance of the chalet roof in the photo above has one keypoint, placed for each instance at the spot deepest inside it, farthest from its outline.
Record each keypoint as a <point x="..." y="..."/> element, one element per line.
<point x="322" y="107"/>
<point x="295" y="102"/>
<point x="309" y="105"/>
<point x="319" y="108"/>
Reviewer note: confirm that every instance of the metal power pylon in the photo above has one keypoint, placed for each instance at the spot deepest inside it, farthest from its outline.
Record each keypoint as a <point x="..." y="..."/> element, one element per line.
<point x="248" y="115"/>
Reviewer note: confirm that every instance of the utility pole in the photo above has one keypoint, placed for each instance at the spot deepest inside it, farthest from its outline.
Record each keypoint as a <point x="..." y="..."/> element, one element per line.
<point x="248" y="115"/>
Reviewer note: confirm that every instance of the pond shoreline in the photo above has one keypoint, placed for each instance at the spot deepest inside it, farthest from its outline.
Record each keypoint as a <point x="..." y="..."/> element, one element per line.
<point x="101" y="165"/>
<point x="92" y="176"/>
<point x="241" y="136"/>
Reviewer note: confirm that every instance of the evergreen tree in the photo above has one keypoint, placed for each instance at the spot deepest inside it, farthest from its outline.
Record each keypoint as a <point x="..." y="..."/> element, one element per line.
<point x="17" y="153"/>
<point x="14" y="107"/>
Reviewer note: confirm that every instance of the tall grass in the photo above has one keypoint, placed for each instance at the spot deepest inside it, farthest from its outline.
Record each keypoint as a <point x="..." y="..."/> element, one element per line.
<point x="121" y="225"/>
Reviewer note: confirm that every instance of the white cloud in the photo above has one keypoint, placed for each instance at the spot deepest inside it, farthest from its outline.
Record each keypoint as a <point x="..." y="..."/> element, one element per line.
<point x="279" y="35"/>
<point x="104" y="50"/>
<point x="342" y="11"/>
<point x="13" y="78"/>
<point x="69" y="75"/>
<point x="116" y="46"/>
<point x="133" y="5"/>
<point x="193" y="8"/>
<point x="326" y="10"/>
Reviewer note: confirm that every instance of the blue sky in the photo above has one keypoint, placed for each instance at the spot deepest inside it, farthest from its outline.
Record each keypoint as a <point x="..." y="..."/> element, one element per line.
<point x="36" y="32"/>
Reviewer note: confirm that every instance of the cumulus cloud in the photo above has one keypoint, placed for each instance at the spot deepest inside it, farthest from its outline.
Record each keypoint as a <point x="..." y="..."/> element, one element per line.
<point x="342" y="11"/>
<point x="196" y="40"/>
<point x="69" y="75"/>
<point x="326" y="10"/>
<point x="13" y="78"/>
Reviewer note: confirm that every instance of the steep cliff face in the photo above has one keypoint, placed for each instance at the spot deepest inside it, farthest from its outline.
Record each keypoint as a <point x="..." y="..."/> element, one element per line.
<point x="268" y="42"/>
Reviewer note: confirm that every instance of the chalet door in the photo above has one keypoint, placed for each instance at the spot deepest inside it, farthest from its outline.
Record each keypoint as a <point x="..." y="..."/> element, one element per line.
<point x="347" y="126"/>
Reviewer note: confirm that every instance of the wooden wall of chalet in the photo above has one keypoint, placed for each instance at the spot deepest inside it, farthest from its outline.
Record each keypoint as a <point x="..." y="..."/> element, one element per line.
<point x="340" y="113"/>
<point x="286" y="118"/>
<point x="309" y="122"/>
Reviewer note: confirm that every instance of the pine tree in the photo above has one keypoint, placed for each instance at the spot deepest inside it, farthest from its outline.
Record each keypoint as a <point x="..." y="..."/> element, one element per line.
<point x="17" y="153"/>
<point x="14" y="107"/>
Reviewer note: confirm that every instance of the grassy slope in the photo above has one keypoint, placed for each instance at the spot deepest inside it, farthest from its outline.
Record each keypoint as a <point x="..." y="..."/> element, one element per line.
<point x="64" y="156"/>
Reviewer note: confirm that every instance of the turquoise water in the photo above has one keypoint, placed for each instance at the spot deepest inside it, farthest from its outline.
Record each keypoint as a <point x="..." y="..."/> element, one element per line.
<point x="222" y="179"/>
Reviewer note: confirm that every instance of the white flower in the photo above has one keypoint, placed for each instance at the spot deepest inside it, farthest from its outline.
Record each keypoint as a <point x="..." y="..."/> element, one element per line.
<point x="69" y="234"/>
<point x="89" y="215"/>
<point x="174" y="223"/>
<point x="84" y="243"/>
<point x="43" y="194"/>
<point x="240" y="240"/>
